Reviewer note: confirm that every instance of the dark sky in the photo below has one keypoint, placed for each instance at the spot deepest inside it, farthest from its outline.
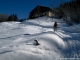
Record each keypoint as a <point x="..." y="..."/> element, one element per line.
<point x="23" y="7"/>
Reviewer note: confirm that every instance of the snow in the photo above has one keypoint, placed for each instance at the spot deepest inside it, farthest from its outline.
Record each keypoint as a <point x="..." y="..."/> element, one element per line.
<point x="17" y="40"/>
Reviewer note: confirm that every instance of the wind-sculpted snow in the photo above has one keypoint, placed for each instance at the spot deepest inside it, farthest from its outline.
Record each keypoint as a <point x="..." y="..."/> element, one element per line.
<point x="17" y="40"/>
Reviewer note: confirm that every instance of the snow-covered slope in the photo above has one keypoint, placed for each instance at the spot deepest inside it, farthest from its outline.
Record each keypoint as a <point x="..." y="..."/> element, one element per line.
<point x="17" y="40"/>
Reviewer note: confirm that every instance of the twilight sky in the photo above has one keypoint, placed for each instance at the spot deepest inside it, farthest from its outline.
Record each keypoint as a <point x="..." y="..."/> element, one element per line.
<point x="23" y="7"/>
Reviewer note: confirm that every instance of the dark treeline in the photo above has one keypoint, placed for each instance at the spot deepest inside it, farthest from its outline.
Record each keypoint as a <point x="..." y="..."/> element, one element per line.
<point x="13" y="17"/>
<point x="5" y="17"/>
<point x="70" y="11"/>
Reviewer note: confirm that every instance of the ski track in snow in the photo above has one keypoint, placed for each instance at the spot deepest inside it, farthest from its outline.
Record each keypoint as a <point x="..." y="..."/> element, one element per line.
<point x="17" y="40"/>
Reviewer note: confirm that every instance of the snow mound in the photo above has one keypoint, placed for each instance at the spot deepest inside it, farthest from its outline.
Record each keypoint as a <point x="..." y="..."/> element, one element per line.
<point x="17" y="40"/>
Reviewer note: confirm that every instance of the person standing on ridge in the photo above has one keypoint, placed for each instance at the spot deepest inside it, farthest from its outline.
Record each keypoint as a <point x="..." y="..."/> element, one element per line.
<point x="55" y="26"/>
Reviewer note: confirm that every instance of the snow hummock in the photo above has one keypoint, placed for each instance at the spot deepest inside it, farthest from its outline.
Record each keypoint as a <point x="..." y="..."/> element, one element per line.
<point x="17" y="40"/>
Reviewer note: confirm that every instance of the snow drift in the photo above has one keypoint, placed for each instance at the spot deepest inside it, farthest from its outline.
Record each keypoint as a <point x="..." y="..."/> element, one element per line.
<point x="17" y="40"/>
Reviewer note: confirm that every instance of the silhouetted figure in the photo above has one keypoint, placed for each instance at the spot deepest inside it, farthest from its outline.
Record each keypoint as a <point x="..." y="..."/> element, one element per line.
<point x="36" y="42"/>
<point x="55" y="26"/>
